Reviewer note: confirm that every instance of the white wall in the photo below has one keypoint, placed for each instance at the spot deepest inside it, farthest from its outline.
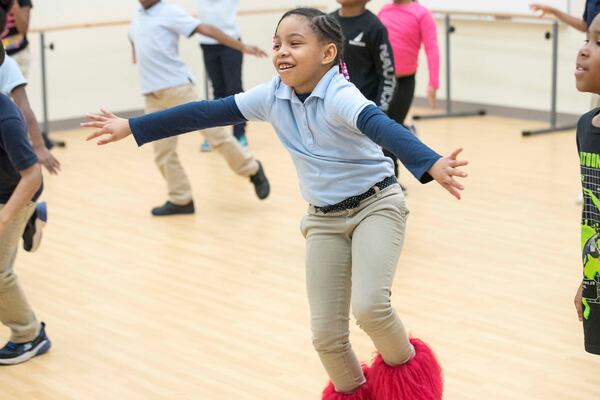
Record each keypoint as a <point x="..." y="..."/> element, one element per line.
<point x="497" y="63"/>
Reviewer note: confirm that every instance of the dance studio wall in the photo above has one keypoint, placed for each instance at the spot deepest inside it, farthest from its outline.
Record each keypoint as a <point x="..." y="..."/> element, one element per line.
<point x="498" y="63"/>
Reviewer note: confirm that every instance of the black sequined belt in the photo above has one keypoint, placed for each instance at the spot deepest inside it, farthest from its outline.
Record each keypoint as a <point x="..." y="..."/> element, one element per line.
<point x="354" y="201"/>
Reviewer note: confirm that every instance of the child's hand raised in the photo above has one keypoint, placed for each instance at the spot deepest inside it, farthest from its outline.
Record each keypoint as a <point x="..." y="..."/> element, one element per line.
<point x="109" y="124"/>
<point x="445" y="169"/>
<point x="543" y="8"/>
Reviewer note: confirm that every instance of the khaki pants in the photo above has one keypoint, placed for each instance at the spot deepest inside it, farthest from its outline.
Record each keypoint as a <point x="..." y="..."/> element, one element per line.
<point x="15" y="311"/>
<point x="165" y="150"/>
<point x="351" y="259"/>
<point x="23" y="58"/>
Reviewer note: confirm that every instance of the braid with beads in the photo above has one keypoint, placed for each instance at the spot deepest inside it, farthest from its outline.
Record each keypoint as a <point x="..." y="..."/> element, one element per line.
<point x="326" y="27"/>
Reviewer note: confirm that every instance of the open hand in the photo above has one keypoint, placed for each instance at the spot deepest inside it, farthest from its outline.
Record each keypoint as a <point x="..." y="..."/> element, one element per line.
<point x="47" y="159"/>
<point x="545" y="9"/>
<point x="445" y="169"/>
<point x="254" y="50"/>
<point x="108" y="124"/>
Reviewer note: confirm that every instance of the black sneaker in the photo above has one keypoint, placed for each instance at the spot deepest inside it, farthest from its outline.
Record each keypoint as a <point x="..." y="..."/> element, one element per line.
<point x="32" y="235"/>
<point x="15" y="353"/>
<point x="173" y="209"/>
<point x="261" y="183"/>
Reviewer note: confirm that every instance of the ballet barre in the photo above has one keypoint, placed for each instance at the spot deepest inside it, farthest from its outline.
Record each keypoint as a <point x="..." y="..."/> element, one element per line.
<point x="44" y="46"/>
<point x="499" y="18"/>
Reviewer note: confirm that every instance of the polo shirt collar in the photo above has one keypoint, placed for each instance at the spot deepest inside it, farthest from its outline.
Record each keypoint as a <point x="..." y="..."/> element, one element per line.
<point x="284" y="92"/>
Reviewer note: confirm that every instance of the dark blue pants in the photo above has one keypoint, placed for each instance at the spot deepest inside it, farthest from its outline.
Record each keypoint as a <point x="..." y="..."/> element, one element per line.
<point x="224" y="67"/>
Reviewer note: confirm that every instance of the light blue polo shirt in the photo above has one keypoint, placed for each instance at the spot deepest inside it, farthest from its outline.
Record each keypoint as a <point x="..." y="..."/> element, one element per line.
<point x="155" y="35"/>
<point x="219" y="13"/>
<point x="333" y="159"/>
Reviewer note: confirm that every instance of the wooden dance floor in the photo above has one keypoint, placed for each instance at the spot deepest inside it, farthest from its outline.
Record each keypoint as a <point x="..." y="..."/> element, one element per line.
<point x="213" y="306"/>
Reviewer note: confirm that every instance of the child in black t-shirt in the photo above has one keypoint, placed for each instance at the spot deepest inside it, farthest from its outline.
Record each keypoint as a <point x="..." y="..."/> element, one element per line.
<point x="587" y="299"/>
<point x="368" y="55"/>
<point x="20" y="187"/>
<point x="367" y="52"/>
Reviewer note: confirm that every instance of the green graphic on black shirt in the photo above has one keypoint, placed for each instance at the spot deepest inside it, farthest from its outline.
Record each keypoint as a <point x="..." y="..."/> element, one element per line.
<point x="590" y="230"/>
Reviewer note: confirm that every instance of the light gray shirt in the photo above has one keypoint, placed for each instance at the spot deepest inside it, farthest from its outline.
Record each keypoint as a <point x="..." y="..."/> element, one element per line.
<point x="155" y="35"/>
<point x="222" y="14"/>
<point x="11" y="76"/>
<point x="333" y="158"/>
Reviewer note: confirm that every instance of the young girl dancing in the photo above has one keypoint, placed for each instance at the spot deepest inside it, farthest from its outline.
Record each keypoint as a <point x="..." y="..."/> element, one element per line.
<point x="356" y="217"/>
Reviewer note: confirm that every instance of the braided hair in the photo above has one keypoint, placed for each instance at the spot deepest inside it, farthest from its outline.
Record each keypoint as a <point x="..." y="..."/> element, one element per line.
<point x="327" y="29"/>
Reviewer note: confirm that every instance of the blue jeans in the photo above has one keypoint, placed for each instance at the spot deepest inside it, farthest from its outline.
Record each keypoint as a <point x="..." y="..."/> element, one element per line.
<point x="224" y="67"/>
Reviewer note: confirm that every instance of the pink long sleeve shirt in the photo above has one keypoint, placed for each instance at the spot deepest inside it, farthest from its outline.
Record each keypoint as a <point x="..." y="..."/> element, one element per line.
<point x="408" y="26"/>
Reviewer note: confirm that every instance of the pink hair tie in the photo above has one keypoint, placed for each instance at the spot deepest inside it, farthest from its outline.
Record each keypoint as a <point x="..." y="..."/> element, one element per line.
<point x="344" y="69"/>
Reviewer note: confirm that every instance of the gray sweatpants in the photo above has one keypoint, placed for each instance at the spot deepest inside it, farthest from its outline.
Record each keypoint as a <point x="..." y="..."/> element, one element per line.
<point x="351" y="258"/>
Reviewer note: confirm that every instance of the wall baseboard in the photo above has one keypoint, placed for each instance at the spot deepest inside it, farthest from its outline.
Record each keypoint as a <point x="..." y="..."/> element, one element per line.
<point x="501" y="111"/>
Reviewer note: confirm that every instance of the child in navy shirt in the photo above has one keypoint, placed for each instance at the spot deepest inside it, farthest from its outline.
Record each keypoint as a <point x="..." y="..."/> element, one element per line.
<point x="20" y="187"/>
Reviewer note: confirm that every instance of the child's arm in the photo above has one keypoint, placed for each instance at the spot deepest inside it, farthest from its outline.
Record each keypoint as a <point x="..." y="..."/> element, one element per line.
<point x="577" y="23"/>
<point x="429" y="35"/>
<point x="46" y="158"/>
<point x="223" y="38"/>
<point x="133" y="57"/>
<point x="424" y="163"/>
<point x="31" y="179"/>
<point x="381" y="53"/>
<point x="578" y="302"/>
<point x="173" y="121"/>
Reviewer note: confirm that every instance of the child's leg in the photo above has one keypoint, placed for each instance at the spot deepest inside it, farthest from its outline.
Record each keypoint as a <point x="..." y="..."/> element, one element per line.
<point x="404" y="370"/>
<point x="165" y="150"/>
<point x="399" y="107"/>
<point x="376" y="245"/>
<point x="328" y="279"/>
<point x="239" y="159"/>
<point x="231" y="65"/>
<point x="403" y="98"/>
<point x="15" y="311"/>
<point x="212" y="62"/>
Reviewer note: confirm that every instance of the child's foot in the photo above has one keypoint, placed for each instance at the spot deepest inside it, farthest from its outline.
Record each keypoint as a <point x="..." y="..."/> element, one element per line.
<point x="420" y="378"/>
<point x="172" y="209"/>
<point x="243" y="140"/>
<point x="261" y="183"/>
<point x="32" y="235"/>
<point x="15" y="353"/>
<point x="205" y="146"/>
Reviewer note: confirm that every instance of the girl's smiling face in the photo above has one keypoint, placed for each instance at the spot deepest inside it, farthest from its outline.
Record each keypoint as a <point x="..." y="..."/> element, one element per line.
<point x="300" y="57"/>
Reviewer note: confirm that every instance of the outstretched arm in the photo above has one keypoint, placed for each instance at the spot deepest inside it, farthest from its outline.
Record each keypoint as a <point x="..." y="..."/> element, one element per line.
<point x="159" y="125"/>
<point x="46" y="158"/>
<point x="577" y="23"/>
<point x="424" y="163"/>
<point x="383" y="60"/>
<point x="223" y="38"/>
